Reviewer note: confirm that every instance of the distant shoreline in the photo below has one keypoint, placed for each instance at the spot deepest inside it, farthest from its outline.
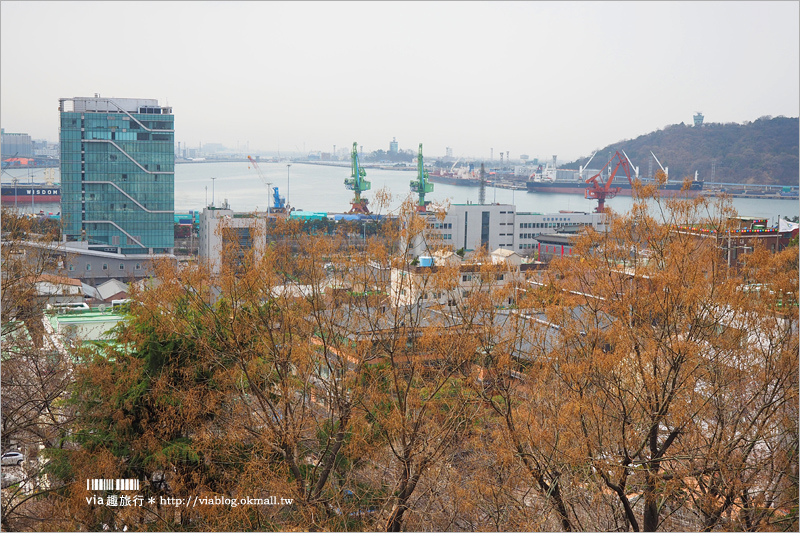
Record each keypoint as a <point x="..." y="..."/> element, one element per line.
<point x="340" y="164"/>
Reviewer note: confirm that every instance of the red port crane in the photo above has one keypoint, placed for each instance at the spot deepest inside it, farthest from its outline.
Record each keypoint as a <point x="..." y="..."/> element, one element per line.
<point x="600" y="191"/>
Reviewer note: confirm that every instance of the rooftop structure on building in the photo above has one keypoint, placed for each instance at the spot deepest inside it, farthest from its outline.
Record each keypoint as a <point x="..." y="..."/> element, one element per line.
<point x="94" y="266"/>
<point x="743" y="236"/>
<point x="111" y="290"/>
<point x="117" y="174"/>
<point x="68" y="328"/>
<point x="444" y="279"/>
<point x="52" y="289"/>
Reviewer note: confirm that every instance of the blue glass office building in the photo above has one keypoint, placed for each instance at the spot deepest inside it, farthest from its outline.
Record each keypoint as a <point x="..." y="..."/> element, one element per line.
<point x="117" y="174"/>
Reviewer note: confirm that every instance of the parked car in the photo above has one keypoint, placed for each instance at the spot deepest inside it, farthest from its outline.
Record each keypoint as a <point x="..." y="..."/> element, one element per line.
<point x="12" y="458"/>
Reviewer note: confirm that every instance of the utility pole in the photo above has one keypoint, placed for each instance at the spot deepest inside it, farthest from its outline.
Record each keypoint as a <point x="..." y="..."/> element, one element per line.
<point x="287" y="185"/>
<point x="482" y="189"/>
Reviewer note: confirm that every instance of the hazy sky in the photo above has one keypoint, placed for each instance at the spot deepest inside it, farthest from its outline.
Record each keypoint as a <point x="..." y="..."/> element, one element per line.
<point x="537" y="78"/>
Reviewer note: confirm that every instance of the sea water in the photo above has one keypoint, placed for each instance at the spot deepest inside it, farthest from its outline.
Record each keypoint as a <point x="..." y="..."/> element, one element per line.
<point x="312" y="187"/>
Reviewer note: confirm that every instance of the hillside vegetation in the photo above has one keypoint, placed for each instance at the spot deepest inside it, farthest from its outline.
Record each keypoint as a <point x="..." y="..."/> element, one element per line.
<point x="760" y="152"/>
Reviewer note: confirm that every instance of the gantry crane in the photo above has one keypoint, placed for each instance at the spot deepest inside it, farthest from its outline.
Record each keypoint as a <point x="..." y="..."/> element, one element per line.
<point x="357" y="183"/>
<point x="600" y="191"/>
<point x="421" y="185"/>
<point x="278" y="202"/>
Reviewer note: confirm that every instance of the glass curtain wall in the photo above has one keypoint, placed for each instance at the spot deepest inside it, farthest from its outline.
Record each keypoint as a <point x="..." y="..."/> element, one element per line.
<point x="117" y="179"/>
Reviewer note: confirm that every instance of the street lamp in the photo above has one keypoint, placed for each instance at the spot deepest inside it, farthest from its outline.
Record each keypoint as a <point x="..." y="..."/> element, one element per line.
<point x="287" y="185"/>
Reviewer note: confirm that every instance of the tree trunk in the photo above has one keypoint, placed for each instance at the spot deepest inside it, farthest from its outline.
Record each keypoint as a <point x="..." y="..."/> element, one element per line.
<point x="650" y="504"/>
<point x="395" y="522"/>
<point x="650" y="522"/>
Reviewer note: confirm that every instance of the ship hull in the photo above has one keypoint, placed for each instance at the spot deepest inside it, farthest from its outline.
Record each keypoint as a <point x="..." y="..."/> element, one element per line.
<point x="30" y="194"/>
<point x="671" y="189"/>
<point x="452" y="180"/>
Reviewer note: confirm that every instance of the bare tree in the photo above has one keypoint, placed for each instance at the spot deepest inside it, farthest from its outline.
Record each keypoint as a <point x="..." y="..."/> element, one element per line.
<point x="35" y="370"/>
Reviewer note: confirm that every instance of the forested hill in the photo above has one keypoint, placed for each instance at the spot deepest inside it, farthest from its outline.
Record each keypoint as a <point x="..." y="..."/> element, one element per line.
<point x="761" y="152"/>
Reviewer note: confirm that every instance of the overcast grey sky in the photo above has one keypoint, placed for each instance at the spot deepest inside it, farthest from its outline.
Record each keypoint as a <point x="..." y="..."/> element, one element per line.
<point x="538" y="78"/>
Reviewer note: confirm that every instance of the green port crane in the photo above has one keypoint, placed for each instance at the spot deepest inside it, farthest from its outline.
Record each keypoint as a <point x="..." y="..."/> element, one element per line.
<point x="421" y="185"/>
<point x="357" y="183"/>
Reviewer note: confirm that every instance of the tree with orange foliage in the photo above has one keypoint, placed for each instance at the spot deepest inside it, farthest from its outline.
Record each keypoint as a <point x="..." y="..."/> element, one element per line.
<point x="657" y="379"/>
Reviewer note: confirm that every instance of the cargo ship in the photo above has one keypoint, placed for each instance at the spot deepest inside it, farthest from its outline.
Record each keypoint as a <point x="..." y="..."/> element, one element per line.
<point x="31" y="162"/>
<point x="547" y="181"/>
<point x="579" y="187"/>
<point x="32" y="192"/>
<point x="452" y="178"/>
<point x="460" y="176"/>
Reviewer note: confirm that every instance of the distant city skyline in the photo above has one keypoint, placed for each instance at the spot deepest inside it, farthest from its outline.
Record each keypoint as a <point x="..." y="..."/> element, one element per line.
<point x="535" y="78"/>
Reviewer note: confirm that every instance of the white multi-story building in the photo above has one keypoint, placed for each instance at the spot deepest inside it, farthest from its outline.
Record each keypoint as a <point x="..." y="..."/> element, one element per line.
<point x="493" y="226"/>
<point x="218" y="226"/>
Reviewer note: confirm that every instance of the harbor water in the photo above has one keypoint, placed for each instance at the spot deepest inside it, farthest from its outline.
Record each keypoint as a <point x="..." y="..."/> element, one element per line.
<point x="320" y="188"/>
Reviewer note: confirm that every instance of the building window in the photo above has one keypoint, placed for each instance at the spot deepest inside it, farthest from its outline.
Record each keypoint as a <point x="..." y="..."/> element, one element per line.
<point x="72" y="268"/>
<point x="485" y="218"/>
<point x="105" y="266"/>
<point x="88" y="266"/>
<point x="138" y="266"/>
<point x="122" y="266"/>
